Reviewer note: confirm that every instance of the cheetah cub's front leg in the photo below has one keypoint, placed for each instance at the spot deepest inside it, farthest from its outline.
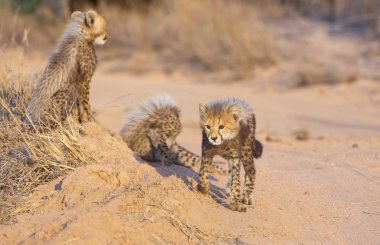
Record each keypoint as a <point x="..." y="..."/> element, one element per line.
<point x="203" y="184"/>
<point x="236" y="204"/>
<point x="87" y="64"/>
<point x="84" y="109"/>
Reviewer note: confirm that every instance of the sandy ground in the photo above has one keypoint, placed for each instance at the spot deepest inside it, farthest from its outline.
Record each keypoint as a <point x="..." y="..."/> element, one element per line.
<point x="324" y="189"/>
<point x="321" y="190"/>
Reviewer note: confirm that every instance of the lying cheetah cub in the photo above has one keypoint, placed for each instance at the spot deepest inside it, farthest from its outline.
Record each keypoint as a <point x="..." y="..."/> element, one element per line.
<point x="228" y="130"/>
<point x="63" y="87"/>
<point x="151" y="131"/>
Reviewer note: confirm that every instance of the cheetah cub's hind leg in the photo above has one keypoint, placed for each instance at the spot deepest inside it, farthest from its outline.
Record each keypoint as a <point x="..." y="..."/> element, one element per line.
<point x="60" y="107"/>
<point x="247" y="153"/>
<point x="84" y="103"/>
<point x="161" y="147"/>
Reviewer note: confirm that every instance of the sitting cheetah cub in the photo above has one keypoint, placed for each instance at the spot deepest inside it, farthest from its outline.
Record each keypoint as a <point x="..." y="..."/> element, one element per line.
<point x="63" y="87"/>
<point x="228" y="130"/>
<point x="151" y="131"/>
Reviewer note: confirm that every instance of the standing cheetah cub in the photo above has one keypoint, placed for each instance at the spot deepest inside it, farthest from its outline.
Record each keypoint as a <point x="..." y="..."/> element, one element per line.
<point x="64" y="85"/>
<point x="151" y="131"/>
<point x="228" y="130"/>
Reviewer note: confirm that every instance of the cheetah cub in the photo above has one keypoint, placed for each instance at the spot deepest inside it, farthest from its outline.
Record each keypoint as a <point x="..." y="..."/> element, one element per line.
<point x="63" y="87"/>
<point x="228" y="130"/>
<point x="151" y="131"/>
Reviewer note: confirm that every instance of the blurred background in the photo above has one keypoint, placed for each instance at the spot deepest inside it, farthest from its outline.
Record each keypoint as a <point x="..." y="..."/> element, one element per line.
<point x="284" y="43"/>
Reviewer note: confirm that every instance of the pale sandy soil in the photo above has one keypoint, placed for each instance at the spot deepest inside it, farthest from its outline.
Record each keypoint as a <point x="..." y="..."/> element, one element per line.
<point x="323" y="190"/>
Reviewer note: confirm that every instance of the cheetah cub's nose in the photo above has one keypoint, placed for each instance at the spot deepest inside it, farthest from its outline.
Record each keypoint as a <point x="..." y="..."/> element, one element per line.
<point x="214" y="138"/>
<point x="105" y="38"/>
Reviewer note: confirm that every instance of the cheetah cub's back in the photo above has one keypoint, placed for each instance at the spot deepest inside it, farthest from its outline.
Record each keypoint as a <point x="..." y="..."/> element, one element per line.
<point x="144" y="122"/>
<point x="151" y="131"/>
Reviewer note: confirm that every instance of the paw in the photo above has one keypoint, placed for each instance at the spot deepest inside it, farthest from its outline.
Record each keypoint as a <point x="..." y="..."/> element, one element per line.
<point x="248" y="200"/>
<point x="203" y="189"/>
<point x="81" y="130"/>
<point x="236" y="206"/>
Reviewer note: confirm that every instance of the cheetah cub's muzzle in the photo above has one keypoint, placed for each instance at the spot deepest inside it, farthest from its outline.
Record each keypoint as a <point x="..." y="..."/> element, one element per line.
<point x="101" y="40"/>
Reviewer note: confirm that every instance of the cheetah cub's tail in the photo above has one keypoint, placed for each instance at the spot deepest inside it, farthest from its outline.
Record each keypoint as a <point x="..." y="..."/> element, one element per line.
<point x="188" y="159"/>
<point x="185" y="157"/>
<point x="258" y="149"/>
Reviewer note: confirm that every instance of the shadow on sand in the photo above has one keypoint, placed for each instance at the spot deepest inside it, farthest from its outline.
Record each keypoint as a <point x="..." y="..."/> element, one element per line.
<point x="189" y="177"/>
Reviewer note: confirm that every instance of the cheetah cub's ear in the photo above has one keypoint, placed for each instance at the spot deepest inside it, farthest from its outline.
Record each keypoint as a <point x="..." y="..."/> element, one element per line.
<point x="75" y="14"/>
<point x="90" y="18"/>
<point x="236" y="112"/>
<point x="202" y="111"/>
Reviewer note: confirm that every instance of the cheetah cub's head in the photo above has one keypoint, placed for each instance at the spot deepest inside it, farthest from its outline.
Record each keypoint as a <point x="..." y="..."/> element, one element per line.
<point x="93" y="26"/>
<point x="220" y="123"/>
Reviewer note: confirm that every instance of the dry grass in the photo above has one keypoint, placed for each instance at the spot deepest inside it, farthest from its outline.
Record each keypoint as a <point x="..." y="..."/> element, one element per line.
<point x="321" y="70"/>
<point x="193" y="233"/>
<point x="29" y="31"/>
<point x="235" y="40"/>
<point x="29" y="157"/>
<point x="230" y="37"/>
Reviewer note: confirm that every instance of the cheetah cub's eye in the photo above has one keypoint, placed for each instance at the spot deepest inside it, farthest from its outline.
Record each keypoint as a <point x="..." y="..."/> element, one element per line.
<point x="221" y="126"/>
<point x="207" y="126"/>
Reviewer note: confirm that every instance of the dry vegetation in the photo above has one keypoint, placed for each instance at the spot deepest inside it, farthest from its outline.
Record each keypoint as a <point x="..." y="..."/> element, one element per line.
<point x="27" y="31"/>
<point x="230" y="37"/>
<point x="238" y="38"/>
<point x="28" y="157"/>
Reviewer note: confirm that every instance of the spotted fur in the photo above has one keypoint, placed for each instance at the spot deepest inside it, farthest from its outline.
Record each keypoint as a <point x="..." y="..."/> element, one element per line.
<point x="64" y="85"/>
<point x="151" y="131"/>
<point x="228" y="130"/>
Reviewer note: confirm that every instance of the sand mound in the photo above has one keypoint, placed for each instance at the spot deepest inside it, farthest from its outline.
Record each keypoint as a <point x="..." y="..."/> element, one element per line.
<point x="115" y="200"/>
